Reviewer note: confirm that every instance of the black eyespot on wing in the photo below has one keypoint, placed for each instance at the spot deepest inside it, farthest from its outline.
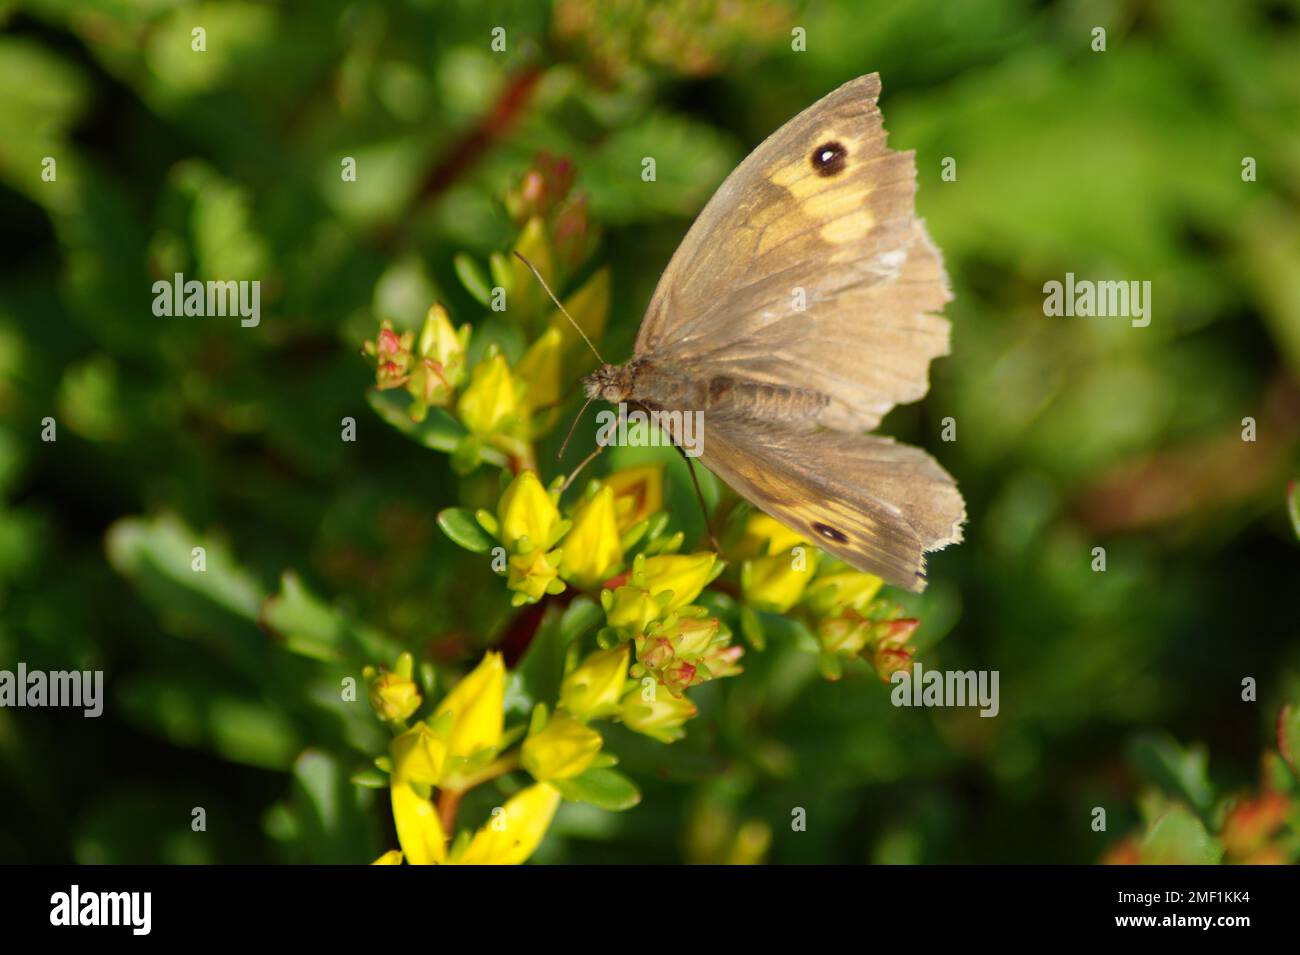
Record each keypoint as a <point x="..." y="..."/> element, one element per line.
<point x="830" y="533"/>
<point x="828" y="158"/>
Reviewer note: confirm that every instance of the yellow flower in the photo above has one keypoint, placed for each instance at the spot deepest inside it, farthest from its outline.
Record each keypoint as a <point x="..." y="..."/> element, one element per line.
<point x="477" y="706"/>
<point x="419" y="755"/>
<point x="395" y="695"/>
<point x="542" y="371"/>
<point x="638" y="493"/>
<point x="777" y="582"/>
<point x="492" y="401"/>
<point x="561" y="749"/>
<point x="446" y="346"/>
<point x="418" y="828"/>
<point x="631" y="608"/>
<point x="834" y="592"/>
<point x="534" y="574"/>
<point x="592" y="548"/>
<point x="652" y="710"/>
<point x="527" y="510"/>
<point x="594" y="688"/>
<point x="770" y="535"/>
<point x="391" y="857"/>
<point x="683" y="574"/>
<point x="515" y="830"/>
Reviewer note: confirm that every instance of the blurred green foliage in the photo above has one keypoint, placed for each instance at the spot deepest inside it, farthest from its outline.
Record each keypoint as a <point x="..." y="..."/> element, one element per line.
<point x="1072" y="434"/>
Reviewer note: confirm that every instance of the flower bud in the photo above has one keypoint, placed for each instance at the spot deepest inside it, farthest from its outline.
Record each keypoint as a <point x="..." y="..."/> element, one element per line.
<point x="777" y="582"/>
<point x="630" y="608"/>
<point x="444" y="346"/>
<point x="685" y="575"/>
<point x="476" y="705"/>
<point x="563" y="748"/>
<point x="418" y="755"/>
<point x="533" y="575"/>
<point x="592" y="548"/>
<point x="527" y="510"/>
<point x="492" y="401"/>
<point x="650" y="710"/>
<point x="395" y="696"/>
<point x="594" y="688"/>
<point x="834" y="592"/>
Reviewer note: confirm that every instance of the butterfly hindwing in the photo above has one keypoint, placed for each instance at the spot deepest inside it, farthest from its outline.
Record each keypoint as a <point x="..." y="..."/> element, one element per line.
<point x="879" y="507"/>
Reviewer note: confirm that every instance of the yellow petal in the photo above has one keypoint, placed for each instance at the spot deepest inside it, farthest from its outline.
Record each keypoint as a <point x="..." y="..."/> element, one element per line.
<point x="593" y="549"/>
<point x="418" y="829"/>
<point x="391" y="857"/>
<point x="491" y="401"/>
<point x="776" y="583"/>
<point x="526" y="510"/>
<point x="477" y="704"/>
<point x="563" y="748"/>
<point x="541" y="370"/>
<point x="418" y="755"/>
<point x="515" y="830"/>
<point x="684" y="574"/>
<point x="638" y="493"/>
<point x="595" y="687"/>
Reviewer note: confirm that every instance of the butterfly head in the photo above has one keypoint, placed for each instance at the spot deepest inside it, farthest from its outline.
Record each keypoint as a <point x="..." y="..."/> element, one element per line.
<point x="612" y="383"/>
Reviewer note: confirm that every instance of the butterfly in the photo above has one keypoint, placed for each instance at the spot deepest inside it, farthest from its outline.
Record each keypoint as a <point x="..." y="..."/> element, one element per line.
<point x="800" y="307"/>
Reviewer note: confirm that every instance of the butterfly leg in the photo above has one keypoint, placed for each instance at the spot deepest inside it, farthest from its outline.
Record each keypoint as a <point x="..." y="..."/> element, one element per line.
<point x="699" y="495"/>
<point x="578" y="470"/>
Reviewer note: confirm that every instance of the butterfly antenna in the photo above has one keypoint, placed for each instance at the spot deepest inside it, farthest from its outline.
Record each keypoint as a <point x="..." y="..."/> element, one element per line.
<point x="562" y="309"/>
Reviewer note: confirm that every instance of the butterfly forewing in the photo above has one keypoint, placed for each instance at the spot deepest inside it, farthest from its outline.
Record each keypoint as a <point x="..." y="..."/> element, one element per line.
<point x="808" y="266"/>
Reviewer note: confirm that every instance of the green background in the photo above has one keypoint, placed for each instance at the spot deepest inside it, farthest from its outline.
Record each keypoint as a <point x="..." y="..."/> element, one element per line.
<point x="1071" y="433"/>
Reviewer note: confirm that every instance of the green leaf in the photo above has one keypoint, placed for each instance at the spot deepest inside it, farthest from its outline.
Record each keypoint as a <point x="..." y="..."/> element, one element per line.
<point x="473" y="277"/>
<point x="1293" y="506"/>
<point x="461" y="526"/>
<point x="1288" y="736"/>
<point x="1179" y="838"/>
<point x="751" y="625"/>
<point x="439" y="430"/>
<point x="1180" y="771"/>
<point x="311" y="627"/>
<point x="370" y="779"/>
<point x="603" y="788"/>
<point x="331" y="819"/>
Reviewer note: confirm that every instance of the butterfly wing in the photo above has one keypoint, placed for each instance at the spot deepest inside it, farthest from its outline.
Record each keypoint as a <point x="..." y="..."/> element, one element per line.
<point x="808" y="268"/>
<point x="879" y="507"/>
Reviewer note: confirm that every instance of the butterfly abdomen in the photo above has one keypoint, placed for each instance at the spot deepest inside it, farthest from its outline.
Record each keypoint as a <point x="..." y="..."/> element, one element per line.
<point x="657" y="386"/>
<point x="762" y="401"/>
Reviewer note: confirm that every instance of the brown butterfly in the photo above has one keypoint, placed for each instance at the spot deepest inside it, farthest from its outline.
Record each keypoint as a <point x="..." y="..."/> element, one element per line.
<point x="801" y="307"/>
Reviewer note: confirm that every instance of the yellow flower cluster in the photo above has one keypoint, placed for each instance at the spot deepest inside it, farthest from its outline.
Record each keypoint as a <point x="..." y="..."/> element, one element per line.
<point x="454" y="750"/>
<point x="647" y="604"/>
<point x="782" y="572"/>
<point x="504" y="404"/>
<point x="430" y="369"/>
